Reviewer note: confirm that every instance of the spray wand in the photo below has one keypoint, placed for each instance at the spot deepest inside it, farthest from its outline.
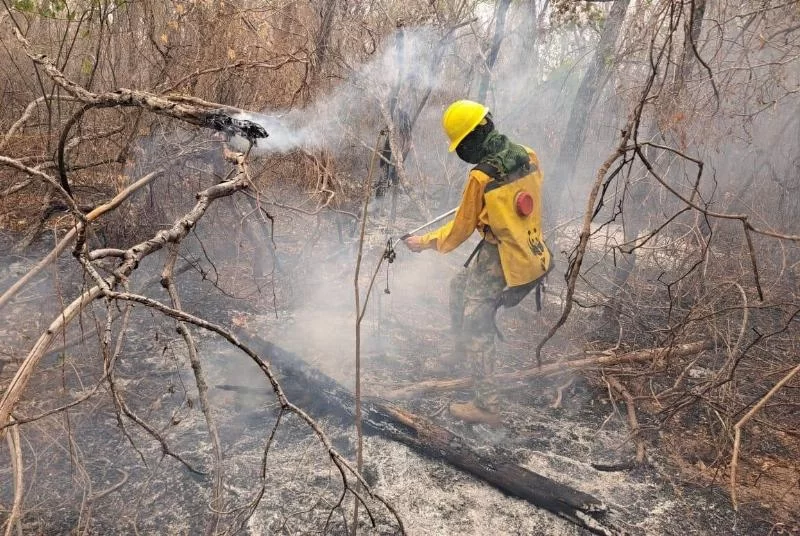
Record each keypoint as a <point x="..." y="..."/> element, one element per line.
<point x="389" y="253"/>
<point x="421" y="227"/>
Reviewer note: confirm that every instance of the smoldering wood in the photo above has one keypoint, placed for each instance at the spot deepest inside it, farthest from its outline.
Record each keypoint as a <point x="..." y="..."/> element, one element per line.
<point x="196" y="112"/>
<point x="320" y="395"/>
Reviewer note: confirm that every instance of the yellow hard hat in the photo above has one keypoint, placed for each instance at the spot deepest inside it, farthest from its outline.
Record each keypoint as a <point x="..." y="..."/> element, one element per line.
<point x="461" y="118"/>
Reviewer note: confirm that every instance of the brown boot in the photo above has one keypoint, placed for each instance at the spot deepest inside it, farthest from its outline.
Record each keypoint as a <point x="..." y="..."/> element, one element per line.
<point x="471" y="413"/>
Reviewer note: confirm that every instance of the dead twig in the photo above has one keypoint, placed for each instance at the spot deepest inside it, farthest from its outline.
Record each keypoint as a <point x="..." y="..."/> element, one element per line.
<point x="560" y="393"/>
<point x="16" y="188"/>
<point x="111" y="489"/>
<point x="109" y="362"/>
<point x="26" y="114"/>
<point x="20" y="380"/>
<point x="47" y="179"/>
<point x="250" y="508"/>
<point x="168" y="282"/>
<point x="15" y="452"/>
<point x="633" y="422"/>
<point x="740" y="424"/>
<point x="359" y="317"/>
<point x="67" y="240"/>
<point x="575" y="265"/>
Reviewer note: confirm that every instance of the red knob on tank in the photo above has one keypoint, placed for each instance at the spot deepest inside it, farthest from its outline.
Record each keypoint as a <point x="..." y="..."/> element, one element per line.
<point x="523" y="203"/>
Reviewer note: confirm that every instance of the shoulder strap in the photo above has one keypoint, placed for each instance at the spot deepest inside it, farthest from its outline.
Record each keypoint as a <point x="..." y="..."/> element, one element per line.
<point x="489" y="169"/>
<point x="495" y="179"/>
<point x="495" y="174"/>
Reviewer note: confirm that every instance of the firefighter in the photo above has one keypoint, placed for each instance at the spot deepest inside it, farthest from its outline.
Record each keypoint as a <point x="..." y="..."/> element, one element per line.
<point x="502" y="200"/>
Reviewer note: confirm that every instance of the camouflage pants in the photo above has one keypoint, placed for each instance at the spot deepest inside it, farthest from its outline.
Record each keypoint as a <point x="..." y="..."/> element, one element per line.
<point x="474" y="294"/>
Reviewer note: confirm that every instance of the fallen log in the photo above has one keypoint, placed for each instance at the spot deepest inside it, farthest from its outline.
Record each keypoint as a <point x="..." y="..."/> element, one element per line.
<point x="509" y="379"/>
<point x="320" y="395"/>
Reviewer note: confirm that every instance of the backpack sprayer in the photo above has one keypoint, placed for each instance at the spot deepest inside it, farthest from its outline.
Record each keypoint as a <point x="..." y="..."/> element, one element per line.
<point x="510" y="296"/>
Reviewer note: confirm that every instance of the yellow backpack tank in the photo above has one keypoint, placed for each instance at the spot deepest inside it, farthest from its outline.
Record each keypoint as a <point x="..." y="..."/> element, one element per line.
<point x="514" y="208"/>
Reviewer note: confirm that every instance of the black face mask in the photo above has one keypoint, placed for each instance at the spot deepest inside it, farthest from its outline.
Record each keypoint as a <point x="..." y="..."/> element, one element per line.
<point x="470" y="149"/>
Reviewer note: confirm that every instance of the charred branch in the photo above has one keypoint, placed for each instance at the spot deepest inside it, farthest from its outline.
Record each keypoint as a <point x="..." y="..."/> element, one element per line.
<point x="217" y="118"/>
<point x="381" y="418"/>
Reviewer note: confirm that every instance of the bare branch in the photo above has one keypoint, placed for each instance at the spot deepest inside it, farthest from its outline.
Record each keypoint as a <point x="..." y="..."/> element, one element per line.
<point x="67" y="240"/>
<point x="15" y="453"/>
<point x="743" y="421"/>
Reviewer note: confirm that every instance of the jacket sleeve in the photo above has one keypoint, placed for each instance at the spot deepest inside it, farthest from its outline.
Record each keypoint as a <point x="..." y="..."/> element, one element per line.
<point x="451" y="235"/>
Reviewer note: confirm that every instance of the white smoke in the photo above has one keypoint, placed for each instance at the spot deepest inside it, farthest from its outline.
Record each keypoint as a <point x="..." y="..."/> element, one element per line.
<point x="283" y="136"/>
<point x="351" y="111"/>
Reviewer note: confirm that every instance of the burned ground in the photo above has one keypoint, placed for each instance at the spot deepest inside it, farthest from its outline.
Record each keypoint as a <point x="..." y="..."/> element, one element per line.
<point x="85" y="474"/>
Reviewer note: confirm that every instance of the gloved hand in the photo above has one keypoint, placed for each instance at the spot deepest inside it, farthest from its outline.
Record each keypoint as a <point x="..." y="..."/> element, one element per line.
<point x="414" y="243"/>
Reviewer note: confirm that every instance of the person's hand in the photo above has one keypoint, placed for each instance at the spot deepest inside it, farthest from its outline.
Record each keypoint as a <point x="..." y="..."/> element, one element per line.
<point x="414" y="243"/>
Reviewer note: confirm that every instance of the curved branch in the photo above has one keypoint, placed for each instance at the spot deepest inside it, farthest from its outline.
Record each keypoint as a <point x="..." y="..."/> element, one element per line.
<point x="575" y="266"/>
<point x="62" y="142"/>
<point x="744" y="218"/>
<point x="41" y="175"/>
<point x="26" y="114"/>
<point x="62" y="245"/>
<point x="168" y="282"/>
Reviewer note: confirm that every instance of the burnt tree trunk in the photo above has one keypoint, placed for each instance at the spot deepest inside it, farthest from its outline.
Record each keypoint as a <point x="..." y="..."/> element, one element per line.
<point x="320" y="395"/>
<point x="323" y="40"/>
<point x="494" y="49"/>
<point x="591" y="84"/>
<point x="691" y="36"/>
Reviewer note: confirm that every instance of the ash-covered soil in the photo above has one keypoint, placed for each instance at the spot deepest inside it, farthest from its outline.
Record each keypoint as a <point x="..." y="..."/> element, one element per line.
<point x="84" y="473"/>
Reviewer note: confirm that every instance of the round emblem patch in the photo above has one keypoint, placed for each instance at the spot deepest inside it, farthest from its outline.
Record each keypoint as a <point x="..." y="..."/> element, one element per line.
<point x="523" y="203"/>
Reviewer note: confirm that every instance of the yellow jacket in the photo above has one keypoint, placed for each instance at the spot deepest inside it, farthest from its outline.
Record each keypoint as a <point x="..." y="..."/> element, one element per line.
<point x="523" y="255"/>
